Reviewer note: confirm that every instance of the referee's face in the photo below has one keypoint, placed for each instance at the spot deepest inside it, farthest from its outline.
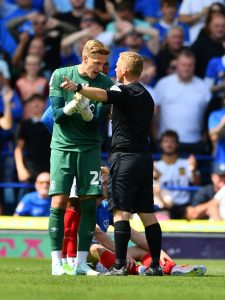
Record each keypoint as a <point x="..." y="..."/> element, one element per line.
<point x="119" y="73"/>
<point x="94" y="64"/>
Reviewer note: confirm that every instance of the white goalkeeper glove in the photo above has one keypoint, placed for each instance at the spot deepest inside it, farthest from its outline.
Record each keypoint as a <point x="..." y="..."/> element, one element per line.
<point x="70" y="108"/>
<point x="83" y="107"/>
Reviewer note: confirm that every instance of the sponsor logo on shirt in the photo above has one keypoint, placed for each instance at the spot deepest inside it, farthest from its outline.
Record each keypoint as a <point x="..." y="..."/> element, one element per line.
<point x="182" y="171"/>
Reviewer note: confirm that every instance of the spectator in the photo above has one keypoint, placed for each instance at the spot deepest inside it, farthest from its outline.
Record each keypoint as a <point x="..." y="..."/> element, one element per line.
<point x="149" y="9"/>
<point x="6" y="122"/>
<point x="6" y="9"/>
<point x="166" y="58"/>
<point x="217" y="7"/>
<point x="90" y="28"/>
<point x="216" y="211"/>
<point x="6" y="115"/>
<point x="176" y="172"/>
<point x="7" y="42"/>
<point x="169" y="20"/>
<point x="182" y="107"/>
<point x="36" y="204"/>
<point x="4" y="68"/>
<point x="124" y="12"/>
<point x="73" y="17"/>
<point x="35" y="47"/>
<point x="216" y="124"/>
<point x="7" y="173"/>
<point x="34" y="140"/>
<point x="31" y="83"/>
<point x="215" y="75"/>
<point x="194" y="13"/>
<point x="16" y="106"/>
<point x="210" y="43"/>
<point x="162" y="197"/>
<point x="132" y="41"/>
<point x="202" y="205"/>
<point x="49" y="30"/>
<point x="54" y="7"/>
<point x="148" y="75"/>
<point x="103" y="12"/>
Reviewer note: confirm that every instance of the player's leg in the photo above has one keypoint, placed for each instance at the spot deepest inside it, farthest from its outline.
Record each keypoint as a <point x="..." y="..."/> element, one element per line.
<point x="89" y="188"/>
<point x="72" y="244"/>
<point x="71" y="223"/>
<point x="167" y="265"/>
<point x="186" y="270"/>
<point x="144" y="206"/>
<point x="61" y="182"/>
<point x="106" y="259"/>
<point x="122" y="186"/>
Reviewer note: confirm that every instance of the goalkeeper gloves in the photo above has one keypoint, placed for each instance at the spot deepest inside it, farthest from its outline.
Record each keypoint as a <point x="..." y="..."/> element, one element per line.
<point x="70" y="108"/>
<point x="83" y="107"/>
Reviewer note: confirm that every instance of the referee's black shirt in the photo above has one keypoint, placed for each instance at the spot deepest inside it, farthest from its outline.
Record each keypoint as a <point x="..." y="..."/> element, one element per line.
<point x="133" y="109"/>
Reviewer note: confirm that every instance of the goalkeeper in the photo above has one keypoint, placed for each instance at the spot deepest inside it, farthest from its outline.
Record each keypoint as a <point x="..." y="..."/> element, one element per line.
<point x="75" y="152"/>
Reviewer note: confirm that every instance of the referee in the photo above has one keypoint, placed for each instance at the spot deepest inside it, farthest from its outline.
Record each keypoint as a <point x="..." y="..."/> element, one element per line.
<point x="131" y="162"/>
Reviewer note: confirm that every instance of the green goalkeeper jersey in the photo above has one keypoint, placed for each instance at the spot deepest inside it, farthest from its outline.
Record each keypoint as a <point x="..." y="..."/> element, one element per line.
<point x="73" y="133"/>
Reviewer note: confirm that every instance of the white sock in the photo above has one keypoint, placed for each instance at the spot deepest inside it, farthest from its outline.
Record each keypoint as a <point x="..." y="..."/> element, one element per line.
<point x="64" y="260"/>
<point x="56" y="257"/>
<point x="82" y="257"/>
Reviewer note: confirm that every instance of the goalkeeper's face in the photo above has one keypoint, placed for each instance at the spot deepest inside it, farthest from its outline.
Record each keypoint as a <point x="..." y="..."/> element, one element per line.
<point x="94" y="64"/>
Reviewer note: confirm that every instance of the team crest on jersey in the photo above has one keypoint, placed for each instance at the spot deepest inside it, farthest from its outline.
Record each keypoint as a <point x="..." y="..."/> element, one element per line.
<point x="182" y="171"/>
<point x="52" y="185"/>
<point x="106" y="224"/>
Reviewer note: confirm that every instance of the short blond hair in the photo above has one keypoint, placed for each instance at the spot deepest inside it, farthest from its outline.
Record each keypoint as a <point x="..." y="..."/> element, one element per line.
<point x="95" y="47"/>
<point x="133" y="62"/>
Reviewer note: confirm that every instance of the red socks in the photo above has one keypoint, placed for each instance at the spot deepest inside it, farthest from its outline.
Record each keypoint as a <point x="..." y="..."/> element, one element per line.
<point x="71" y="223"/>
<point x="107" y="259"/>
<point x="72" y="245"/>
<point x="167" y="267"/>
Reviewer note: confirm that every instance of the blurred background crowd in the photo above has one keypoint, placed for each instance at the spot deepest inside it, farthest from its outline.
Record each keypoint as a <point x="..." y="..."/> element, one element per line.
<point x="182" y="43"/>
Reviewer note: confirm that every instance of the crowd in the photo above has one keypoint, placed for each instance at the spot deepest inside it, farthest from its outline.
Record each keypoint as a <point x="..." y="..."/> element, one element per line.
<point x="182" y="43"/>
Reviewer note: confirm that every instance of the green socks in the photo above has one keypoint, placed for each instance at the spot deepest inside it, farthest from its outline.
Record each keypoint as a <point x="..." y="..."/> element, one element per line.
<point x="56" y="228"/>
<point x="86" y="227"/>
<point x="87" y="224"/>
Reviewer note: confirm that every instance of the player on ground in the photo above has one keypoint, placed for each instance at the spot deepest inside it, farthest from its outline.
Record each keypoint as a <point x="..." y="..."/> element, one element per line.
<point x="104" y="251"/>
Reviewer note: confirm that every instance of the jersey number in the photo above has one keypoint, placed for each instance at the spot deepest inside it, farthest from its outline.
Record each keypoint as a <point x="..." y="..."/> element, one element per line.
<point x="95" y="179"/>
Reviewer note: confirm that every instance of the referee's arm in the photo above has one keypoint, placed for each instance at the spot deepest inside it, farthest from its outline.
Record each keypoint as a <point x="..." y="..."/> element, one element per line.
<point x="93" y="93"/>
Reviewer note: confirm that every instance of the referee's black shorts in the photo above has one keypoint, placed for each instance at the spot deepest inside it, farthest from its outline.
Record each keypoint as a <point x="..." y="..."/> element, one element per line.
<point x="130" y="182"/>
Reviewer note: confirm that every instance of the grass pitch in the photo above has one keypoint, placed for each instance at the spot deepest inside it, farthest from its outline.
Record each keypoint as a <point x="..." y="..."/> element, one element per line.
<point x="24" y="279"/>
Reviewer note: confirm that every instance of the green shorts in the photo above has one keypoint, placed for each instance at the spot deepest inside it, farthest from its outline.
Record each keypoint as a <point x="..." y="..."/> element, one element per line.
<point x="84" y="166"/>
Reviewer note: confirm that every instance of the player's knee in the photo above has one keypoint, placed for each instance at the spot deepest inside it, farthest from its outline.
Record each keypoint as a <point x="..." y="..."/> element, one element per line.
<point x="59" y="201"/>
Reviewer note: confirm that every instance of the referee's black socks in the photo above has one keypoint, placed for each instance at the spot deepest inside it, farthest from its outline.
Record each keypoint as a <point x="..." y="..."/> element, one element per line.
<point x="153" y="235"/>
<point x="121" y="237"/>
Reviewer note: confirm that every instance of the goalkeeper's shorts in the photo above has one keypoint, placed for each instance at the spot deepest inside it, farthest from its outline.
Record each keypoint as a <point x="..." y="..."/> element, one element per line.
<point x="85" y="166"/>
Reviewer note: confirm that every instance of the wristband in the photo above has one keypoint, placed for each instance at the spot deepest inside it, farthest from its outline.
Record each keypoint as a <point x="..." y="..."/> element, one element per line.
<point x="79" y="87"/>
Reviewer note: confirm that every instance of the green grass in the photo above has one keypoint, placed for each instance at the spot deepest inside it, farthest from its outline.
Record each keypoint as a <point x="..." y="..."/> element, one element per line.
<point x="30" y="279"/>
